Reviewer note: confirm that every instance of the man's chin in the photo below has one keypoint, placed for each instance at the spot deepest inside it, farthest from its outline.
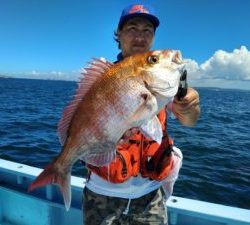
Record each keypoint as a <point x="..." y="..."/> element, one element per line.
<point x="139" y="49"/>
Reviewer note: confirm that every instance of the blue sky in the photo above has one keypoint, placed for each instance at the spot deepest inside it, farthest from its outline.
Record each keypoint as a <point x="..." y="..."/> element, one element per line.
<point x="55" y="39"/>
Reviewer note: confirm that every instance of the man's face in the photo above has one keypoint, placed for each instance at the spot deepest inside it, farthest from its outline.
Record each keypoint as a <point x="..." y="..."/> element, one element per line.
<point x="136" y="36"/>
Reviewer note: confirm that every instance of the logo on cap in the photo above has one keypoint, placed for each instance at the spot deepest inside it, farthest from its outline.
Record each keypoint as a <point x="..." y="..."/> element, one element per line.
<point x="138" y="8"/>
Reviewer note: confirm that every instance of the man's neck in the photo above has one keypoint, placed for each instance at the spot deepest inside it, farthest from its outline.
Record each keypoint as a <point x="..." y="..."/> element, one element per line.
<point x="120" y="57"/>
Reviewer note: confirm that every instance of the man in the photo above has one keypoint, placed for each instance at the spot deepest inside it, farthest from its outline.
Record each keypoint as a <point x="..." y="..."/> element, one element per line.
<point x="129" y="189"/>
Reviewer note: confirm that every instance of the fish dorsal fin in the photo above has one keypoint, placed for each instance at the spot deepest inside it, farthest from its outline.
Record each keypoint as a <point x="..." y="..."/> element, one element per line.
<point x="95" y="70"/>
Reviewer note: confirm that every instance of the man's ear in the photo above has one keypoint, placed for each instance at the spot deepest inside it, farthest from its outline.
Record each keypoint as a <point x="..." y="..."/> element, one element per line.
<point x="118" y="32"/>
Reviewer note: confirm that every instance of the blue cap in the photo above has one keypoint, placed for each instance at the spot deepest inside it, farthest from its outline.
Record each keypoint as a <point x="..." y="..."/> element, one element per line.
<point x="138" y="10"/>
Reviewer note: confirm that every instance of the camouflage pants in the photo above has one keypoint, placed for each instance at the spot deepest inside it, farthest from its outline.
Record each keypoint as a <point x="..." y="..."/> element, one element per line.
<point x="147" y="210"/>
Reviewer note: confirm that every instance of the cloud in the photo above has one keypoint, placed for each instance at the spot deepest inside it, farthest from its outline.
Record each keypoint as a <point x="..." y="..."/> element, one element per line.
<point x="193" y="69"/>
<point x="48" y="75"/>
<point x="223" y="70"/>
<point x="223" y="65"/>
<point x="35" y="73"/>
<point x="59" y="75"/>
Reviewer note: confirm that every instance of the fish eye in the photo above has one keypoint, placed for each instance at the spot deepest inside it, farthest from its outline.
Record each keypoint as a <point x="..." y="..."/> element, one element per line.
<point x="152" y="59"/>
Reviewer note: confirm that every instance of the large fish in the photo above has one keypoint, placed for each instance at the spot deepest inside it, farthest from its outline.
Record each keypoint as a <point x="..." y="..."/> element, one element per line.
<point x="110" y="99"/>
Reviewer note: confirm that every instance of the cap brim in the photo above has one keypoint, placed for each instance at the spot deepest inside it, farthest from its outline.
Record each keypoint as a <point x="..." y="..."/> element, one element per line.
<point x="153" y="19"/>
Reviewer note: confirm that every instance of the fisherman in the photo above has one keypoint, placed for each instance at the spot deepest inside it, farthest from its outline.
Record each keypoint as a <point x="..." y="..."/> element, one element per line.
<point x="129" y="190"/>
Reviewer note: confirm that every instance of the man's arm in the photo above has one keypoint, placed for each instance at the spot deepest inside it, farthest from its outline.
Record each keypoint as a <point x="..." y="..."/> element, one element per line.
<point x="187" y="110"/>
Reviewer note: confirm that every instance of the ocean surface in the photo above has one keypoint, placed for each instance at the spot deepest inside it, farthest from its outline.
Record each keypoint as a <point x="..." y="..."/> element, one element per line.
<point x="216" y="166"/>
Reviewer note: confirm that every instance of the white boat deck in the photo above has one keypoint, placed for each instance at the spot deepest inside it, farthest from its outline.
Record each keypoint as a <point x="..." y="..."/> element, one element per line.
<point x="44" y="206"/>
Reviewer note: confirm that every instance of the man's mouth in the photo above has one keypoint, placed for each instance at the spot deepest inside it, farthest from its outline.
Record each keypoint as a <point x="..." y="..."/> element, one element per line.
<point x="139" y="46"/>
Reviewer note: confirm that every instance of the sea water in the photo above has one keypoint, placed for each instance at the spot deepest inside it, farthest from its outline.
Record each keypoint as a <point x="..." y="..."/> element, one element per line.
<point x="216" y="164"/>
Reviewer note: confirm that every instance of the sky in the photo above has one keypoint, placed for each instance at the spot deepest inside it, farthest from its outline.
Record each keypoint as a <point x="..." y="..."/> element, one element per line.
<point x="45" y="39"/>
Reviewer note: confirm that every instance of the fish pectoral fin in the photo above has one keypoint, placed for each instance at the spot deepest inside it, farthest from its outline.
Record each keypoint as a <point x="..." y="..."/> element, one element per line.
<point x="148" y="108"/>
<point x="99" y="159"/>
<point x="152" y="129"/>
<point x="51" y="175"/>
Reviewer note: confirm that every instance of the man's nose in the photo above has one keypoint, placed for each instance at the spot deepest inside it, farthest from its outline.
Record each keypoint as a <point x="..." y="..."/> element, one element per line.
<point x="139" y="35"/>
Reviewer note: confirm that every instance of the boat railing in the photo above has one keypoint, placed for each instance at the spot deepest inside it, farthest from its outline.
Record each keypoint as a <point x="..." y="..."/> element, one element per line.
<point x="16" y="177"/>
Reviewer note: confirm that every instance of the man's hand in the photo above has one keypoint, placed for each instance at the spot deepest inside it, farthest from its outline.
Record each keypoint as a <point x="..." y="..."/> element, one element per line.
<point x="187" y="110"/>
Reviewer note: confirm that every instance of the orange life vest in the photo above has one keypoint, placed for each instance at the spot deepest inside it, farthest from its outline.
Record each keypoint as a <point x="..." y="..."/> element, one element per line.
<point x="140" y="155"/>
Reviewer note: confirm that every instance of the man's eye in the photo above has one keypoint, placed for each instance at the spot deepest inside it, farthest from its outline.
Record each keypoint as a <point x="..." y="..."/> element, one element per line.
<point x="147" y="31"/>
<point x="131" y="29"/>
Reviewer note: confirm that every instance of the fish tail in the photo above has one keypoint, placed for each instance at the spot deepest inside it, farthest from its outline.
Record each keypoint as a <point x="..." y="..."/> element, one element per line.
<point x="51" y="175"/>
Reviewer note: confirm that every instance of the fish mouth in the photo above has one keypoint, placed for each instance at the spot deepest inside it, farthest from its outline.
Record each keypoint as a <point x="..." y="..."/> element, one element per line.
<point x="163" y="91"/>
<point x="165" y="88"/>
<point x="164" y="83"/>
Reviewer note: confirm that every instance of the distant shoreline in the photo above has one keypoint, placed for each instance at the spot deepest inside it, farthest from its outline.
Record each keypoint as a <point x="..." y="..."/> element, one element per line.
<point x="74" y="81"/>
<point x="3" y="77"/>
<point x="36" y="79"/>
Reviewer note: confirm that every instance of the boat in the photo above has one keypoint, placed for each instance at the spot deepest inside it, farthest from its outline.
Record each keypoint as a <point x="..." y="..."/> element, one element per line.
<point x="44" y="206"/>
